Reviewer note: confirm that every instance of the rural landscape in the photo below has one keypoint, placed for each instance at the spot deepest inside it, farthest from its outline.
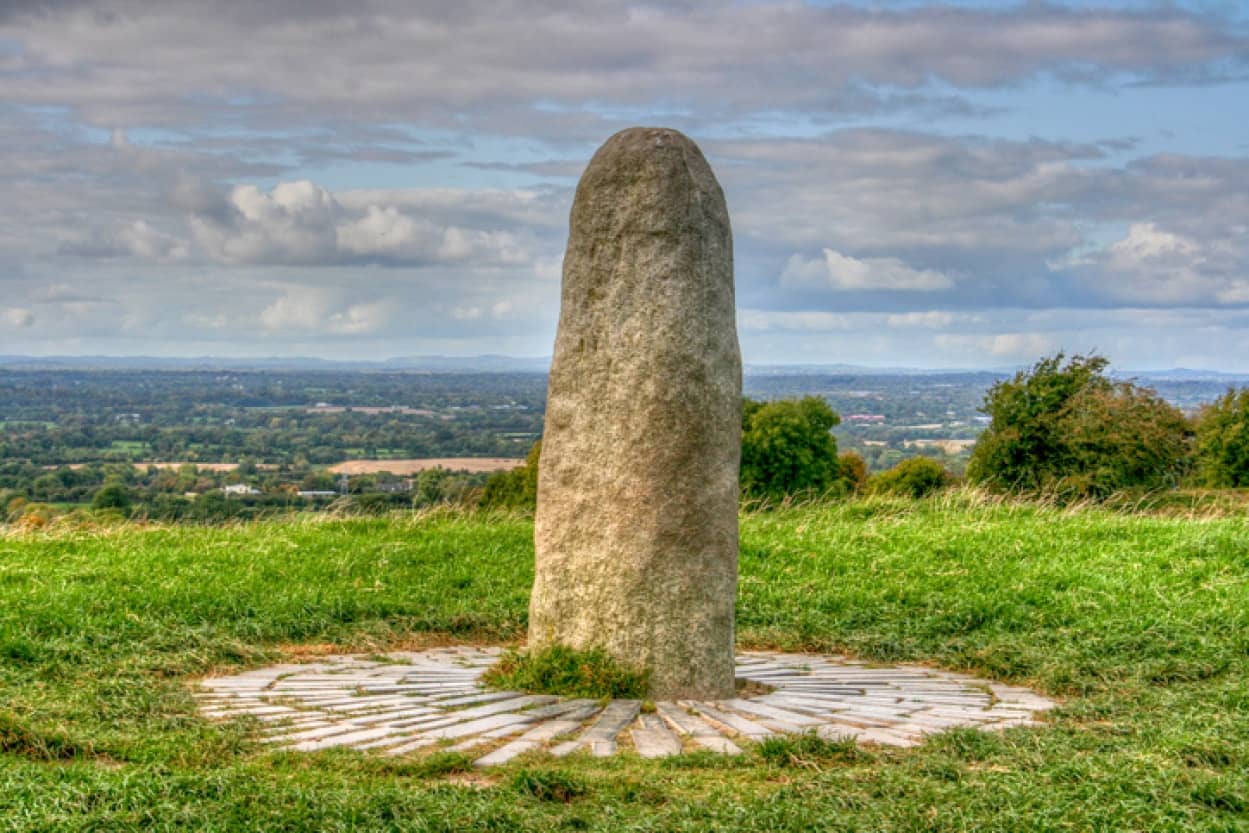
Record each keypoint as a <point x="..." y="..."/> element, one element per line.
<point x="238" y="441"/>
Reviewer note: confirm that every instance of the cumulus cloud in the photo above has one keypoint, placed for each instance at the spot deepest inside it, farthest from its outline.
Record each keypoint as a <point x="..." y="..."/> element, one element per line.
<point x="17" y="317"/>
<point x="844" y="273"/>
<point x="306" y="310"/>
<point x="301" y="223"/>
<point x="1018" y="346"/>
<point x="1152" y="264"/>
<point x="141" y="240"/>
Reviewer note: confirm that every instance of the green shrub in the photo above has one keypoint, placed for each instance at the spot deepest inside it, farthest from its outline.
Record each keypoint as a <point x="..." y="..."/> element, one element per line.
<point x="1067" y="430"/>
<point x="1223" y="441"/>
<point x="561" y="670"/>
<point x="515" y="489"/>
<point x="916" y="477"/>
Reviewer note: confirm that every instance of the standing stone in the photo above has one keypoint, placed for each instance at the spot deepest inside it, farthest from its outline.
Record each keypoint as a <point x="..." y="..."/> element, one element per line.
<point x="636" y="528"/>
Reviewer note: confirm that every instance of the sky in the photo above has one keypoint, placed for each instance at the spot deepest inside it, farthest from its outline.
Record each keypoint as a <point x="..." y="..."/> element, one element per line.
<point x="958" y="184"/>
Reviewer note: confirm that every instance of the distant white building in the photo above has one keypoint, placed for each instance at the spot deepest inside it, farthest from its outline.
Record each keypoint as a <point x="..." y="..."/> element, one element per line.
<point x="240" y="489"/>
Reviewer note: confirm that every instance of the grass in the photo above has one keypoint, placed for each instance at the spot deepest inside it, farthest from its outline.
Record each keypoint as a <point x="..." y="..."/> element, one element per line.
<point x="561" y="670"/>
<point x="1139" y="624"/>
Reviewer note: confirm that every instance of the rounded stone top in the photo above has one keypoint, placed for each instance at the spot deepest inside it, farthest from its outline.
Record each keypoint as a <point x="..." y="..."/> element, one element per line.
<point x="646" y="179"/>
<point x="648" y="137"/>
<point x="634" y="145"/>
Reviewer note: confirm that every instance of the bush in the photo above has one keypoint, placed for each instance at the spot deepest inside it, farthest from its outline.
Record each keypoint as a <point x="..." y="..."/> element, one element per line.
<point x="787" y="448"/>
<point x="1223" y="441"/>
<point x="853" y="471"/>
<point x="515" y="489"/>
<point x="1067" y="430"/>
<point x="916" y="477"/>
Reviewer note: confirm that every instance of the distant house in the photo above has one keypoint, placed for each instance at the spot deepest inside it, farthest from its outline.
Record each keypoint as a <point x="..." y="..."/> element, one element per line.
<point x="395" y="487"/>
<point x="240" y="489"/>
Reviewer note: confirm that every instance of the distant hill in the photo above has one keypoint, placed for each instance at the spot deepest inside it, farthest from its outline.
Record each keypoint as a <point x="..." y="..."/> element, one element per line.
<point x="428" y="364"/>
<point x="491" y="363"/>
<point x="1183" y="374"/>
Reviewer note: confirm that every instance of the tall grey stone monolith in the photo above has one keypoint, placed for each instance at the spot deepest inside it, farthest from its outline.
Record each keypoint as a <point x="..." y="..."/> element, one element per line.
<point x="636" y="528"/>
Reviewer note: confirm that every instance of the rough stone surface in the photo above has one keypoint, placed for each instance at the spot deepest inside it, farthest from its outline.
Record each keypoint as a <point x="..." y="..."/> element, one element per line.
<point x="350" y="702"/>
<point x="636" y="528"/>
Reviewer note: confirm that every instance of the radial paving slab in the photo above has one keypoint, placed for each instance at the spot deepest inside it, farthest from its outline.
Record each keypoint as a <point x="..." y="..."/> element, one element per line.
<point x="407" y="701"/>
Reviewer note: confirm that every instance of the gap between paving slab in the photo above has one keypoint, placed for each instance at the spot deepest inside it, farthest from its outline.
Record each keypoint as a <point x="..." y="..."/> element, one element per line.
<point x="406" y="701"/>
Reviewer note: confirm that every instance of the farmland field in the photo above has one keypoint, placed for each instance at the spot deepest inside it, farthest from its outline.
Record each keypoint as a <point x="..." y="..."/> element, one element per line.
<point x="413" y="466"/>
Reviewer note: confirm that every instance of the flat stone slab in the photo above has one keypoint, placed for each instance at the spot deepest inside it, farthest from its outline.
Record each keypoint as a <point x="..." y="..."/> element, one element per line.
<point x="415" y="701"/>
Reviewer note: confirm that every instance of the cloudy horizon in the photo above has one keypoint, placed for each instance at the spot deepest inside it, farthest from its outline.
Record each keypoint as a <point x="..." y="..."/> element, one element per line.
<point x="965" y="184"/>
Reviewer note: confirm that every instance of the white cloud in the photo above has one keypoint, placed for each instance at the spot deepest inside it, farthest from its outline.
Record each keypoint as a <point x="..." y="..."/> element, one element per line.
<point x="501" y="309"/>
<point x="294" y="311"/>
<point x="321" y="311"/>
<point x="1154" y="264"/>
<point x="1146" y="243"/>
<point x="301" y="223"/>
<point x="844" y="273"/>
<point x="17" y="317"/>
<point x="150" y="244"/>
<point x="293" y="223"/>
<point x="387" y="232"/>
<point x="359" y="319"/>
<point x="1019" y="346"/>
<point x="803" y="321"/>
<point x="932" y="319"/>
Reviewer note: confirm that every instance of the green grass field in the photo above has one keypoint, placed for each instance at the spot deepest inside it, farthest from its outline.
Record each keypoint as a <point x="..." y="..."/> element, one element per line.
<point x="1139" y="625"/>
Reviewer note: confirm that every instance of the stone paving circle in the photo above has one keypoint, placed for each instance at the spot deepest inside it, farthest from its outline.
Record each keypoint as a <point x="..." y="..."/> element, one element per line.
<point x="402" y="702"/>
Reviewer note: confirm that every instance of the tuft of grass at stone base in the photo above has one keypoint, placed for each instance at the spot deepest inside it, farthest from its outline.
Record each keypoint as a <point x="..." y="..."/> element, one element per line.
<point x="559" y="669"/>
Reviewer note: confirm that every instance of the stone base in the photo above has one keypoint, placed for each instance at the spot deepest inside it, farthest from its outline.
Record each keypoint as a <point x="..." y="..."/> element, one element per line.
<point x="433" y="699"/>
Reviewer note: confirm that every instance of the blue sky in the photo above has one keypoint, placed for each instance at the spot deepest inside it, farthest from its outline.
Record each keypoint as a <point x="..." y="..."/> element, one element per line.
<point x="965" y="184"/>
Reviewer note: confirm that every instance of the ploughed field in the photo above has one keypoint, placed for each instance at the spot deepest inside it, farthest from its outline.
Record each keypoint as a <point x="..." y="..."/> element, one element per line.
<point x="1139" y="625"/>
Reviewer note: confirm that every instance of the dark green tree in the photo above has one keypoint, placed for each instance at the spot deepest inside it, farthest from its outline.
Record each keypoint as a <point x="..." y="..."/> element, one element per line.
<point x="1223" y="441"/>
<point x="787" y="448"/>
<point x="112" y="496"/>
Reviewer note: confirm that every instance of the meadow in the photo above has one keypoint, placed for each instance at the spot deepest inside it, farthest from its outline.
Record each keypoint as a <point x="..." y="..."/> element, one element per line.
<point x="1137" y="623"/>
